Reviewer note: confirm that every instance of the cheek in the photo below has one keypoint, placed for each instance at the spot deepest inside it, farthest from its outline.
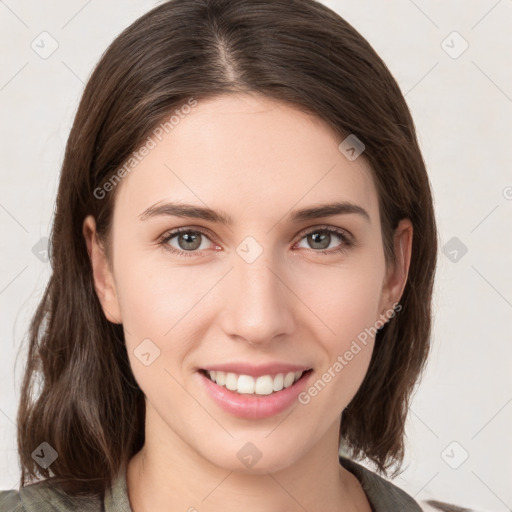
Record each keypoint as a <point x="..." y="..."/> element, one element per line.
<point x="156" y="296"/>
<point x="346" y="300"/>
<point x="158" y="304"/>
<point x="345" y="355"/>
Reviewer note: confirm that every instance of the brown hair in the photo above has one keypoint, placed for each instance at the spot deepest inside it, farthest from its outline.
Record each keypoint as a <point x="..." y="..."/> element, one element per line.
<point x="89" y="407"/>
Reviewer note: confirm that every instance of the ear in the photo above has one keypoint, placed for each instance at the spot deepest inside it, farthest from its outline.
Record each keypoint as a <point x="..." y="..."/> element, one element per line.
<point x="104" y="283"/>
<point x="396" y="275"/>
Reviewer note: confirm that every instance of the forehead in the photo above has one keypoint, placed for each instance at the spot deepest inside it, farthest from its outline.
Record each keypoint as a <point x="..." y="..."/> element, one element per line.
<point x="250" y="155"/>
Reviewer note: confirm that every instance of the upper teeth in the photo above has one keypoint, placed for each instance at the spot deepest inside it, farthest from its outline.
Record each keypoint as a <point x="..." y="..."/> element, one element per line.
<point x="263" y="385"/>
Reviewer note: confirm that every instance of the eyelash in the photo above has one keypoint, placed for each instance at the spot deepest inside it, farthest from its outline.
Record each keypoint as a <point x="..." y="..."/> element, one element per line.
<point x="347" y="240"/>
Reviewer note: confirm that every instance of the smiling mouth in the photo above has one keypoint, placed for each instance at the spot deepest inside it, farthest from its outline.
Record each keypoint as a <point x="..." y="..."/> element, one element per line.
<point x="249" y="385"/>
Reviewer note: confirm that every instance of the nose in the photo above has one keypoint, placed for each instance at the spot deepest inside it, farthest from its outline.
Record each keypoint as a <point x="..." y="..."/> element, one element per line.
<point x="259" y="304"/>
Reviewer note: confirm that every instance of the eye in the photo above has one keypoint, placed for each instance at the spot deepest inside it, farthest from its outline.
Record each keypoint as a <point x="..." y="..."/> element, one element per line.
<point x="190" y="242"/>
<point x="320" y="240"/>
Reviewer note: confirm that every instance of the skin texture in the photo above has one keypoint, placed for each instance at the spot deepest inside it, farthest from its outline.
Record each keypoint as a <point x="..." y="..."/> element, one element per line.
<point x="257" y="160"/>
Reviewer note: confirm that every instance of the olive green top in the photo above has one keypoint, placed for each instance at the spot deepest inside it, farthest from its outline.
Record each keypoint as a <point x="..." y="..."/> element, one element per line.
<point x="41" y="497"/>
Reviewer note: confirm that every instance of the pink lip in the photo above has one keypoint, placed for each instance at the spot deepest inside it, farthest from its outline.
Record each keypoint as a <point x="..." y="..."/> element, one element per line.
<point x="257" y="370"/>
<point x="254" y="406"/>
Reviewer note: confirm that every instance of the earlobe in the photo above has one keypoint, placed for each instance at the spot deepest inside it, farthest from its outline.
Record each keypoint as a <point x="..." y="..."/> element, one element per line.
<point x="397" y="274"/>
<point x="104" y="283"/>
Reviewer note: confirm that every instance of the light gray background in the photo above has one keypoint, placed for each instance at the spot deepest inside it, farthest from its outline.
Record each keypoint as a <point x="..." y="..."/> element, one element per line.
<point x="463" y="112"/>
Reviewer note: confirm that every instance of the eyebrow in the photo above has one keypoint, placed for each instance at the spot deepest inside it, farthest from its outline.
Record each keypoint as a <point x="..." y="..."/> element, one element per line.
<point x="219" y="217"/>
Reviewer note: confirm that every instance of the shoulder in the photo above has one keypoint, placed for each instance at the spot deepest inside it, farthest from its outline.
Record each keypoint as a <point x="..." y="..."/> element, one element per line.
<point x="10" y="501"/>
<point x="44" y="497"/>
<point x="382" y="494"/>
<point x="436" y="506"/>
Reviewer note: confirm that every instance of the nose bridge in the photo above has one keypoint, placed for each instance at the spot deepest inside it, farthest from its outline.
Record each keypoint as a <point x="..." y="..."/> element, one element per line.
<point x="259" y="307"/>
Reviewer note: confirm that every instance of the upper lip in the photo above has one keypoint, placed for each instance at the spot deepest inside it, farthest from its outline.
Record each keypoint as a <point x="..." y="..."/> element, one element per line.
<point x="241" y="368"/>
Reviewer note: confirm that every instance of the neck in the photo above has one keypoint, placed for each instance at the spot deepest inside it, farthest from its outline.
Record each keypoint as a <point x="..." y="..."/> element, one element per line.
<point x="167" y="474"/>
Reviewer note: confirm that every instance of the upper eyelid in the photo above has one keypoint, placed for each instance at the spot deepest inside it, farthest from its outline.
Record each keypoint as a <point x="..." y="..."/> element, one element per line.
<point x="326" y="227"/>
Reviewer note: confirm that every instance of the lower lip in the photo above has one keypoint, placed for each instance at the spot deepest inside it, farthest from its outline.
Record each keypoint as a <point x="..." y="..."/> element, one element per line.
<point x="254" y="406"/>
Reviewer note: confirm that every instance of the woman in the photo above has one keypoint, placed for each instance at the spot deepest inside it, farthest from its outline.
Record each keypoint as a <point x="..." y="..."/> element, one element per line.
<point x="243" y="256"/>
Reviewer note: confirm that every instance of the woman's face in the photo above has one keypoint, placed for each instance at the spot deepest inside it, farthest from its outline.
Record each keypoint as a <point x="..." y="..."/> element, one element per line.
<point x="254" y="296"/>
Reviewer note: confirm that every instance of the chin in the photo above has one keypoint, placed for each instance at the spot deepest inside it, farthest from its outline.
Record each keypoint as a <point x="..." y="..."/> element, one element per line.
<point x="256" y="457"/>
